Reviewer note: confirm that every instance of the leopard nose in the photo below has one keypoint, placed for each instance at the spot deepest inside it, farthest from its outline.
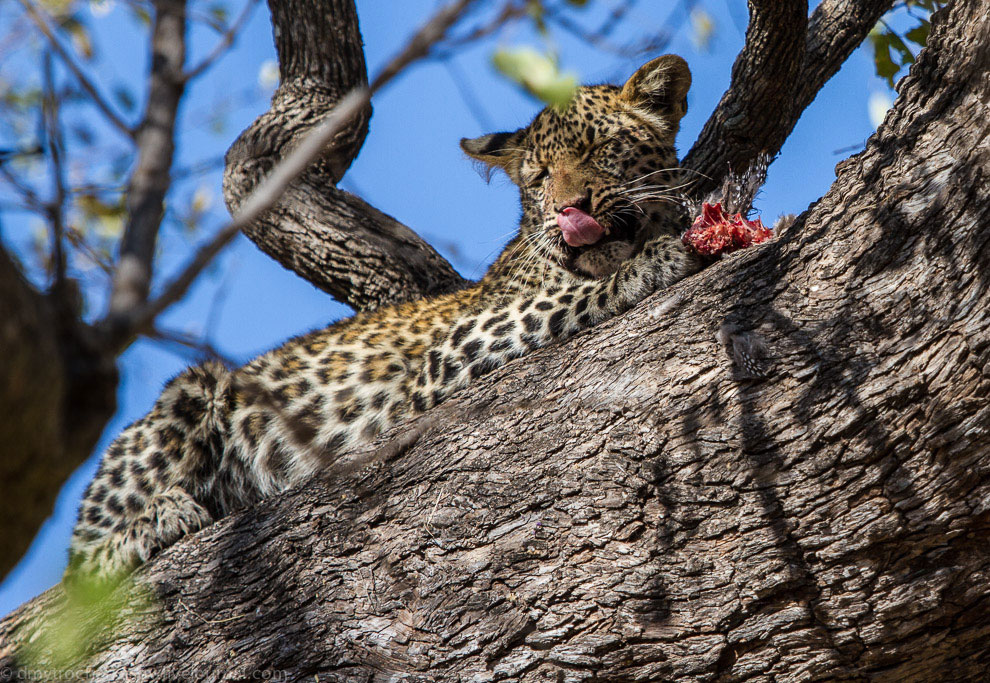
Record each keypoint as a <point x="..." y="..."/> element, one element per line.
<point x="576" y="201"/>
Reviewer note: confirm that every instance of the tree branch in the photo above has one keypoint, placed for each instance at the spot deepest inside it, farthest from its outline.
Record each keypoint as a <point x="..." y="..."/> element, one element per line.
<point x="225" y="43"/>
<point x="56" y="207"/>
<point x="629" y="515"/>
<point x="32" y="379"/>
<point x="140" y="319"/>
<point x="42" y="23"/>
<point x="774" y="79"/>
<point x="836" y="28"/>
<point x="150" y="179"/>
<point x="752" y="113"/>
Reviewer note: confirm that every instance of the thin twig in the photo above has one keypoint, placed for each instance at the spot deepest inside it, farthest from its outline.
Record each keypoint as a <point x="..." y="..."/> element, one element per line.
<point x="56" y="207"/>
<point x="600" y="41"/>
<point x="198" y="168"/>
<point x="191" y="342"/>
<point x="510" y="11"/>
<point x="422" y="41"/>
<point x="78" y="240"/>
<point x="226" y="41"/>
<point x="31" y="198"/>
<point x="467" y="95"/>
<point x="41" y="21"/>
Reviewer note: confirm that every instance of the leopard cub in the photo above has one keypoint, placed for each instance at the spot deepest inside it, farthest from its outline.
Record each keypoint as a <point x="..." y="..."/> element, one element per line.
<point x="599" y="232"/>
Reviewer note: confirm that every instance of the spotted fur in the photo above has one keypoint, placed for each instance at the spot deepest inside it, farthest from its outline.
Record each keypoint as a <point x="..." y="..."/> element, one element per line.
<point x="217" y="440"/>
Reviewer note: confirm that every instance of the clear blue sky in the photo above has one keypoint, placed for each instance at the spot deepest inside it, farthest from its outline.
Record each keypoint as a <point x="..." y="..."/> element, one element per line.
<point x="412" y="168"/>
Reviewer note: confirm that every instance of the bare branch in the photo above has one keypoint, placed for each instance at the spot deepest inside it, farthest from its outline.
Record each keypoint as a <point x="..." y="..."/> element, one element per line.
<point x="260" y="200"/>
<point x="150" y="180"/>
<point x="835" y="29"/>
<point x="754" y="110"/>
<point x="302" y="156"/>
<point x="226" y="41"/>
<point x="510" y="11"/>
<point x="190" y="343"/>
<point x="774" y="79"/>
<point x="271" y="189"/>
<point x="40" y="20"/>
<point x="56" y="148"/>
<point x="600" y="40"/>
<point x="331" y="238"/>
<point x="422" y="41"/>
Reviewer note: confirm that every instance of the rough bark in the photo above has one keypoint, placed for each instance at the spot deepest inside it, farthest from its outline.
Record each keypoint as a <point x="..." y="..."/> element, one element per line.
<point x="628" y="507"/>
<point x="331" y="238"/>
<point x="33" y="378"/>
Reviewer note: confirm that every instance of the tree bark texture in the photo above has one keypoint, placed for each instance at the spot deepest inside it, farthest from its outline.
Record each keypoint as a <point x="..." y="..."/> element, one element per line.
<point x="331" y="238"/>
<point x="629" y="506"/>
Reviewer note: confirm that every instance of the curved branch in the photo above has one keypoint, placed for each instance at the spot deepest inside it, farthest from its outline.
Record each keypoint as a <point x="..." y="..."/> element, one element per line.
<point x="331" y="238"/>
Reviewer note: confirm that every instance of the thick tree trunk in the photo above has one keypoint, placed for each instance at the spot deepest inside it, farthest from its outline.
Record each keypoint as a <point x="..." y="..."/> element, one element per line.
<point x="629" y="507"/>
<point x="57" y="391"/>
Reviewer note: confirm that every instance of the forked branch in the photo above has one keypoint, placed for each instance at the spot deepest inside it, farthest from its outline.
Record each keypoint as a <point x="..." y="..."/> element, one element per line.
<point x="786" y="60"/>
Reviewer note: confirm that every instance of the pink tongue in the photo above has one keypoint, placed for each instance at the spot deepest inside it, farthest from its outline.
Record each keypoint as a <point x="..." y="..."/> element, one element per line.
<point x="578" y="227"/>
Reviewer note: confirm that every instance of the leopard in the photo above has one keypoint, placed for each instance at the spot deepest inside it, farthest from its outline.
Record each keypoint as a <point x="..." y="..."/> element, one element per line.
<point x="600" y="230"/>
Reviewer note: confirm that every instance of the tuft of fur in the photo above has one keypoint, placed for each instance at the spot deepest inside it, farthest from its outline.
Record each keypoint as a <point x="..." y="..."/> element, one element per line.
<point x="747" y="350"/>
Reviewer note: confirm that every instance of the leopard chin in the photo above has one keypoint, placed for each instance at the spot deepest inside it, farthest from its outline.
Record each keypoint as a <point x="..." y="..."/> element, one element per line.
<point x="603" y="259"/>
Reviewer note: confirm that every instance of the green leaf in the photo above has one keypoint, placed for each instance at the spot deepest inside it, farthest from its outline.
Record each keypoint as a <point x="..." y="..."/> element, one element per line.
<point x="919" y="34"/>
<point x="898" y="44"/>
<point x="71" y="630"/>
<point x="80" y="36"/>
<point x="140" y="14"/>
<point x="703" y="29"/>
<point x="537" y="12"/>
<point x="538" y="74"/>
<point x="886" y="68"/>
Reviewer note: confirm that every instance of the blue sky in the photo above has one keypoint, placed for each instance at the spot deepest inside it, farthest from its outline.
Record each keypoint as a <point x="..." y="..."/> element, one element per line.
<point x="410" y="167"/>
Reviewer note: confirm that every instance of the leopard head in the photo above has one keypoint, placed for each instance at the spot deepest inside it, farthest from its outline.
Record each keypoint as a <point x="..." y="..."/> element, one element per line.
<point x="600" y="177"/>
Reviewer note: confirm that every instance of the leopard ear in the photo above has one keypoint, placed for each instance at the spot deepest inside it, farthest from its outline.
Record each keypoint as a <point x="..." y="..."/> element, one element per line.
<point x="661" y="86"/>
<point x="499" y="150"/>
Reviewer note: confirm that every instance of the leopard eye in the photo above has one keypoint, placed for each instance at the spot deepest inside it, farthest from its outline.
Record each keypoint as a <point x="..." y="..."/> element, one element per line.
<point x="533" y="175"/>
